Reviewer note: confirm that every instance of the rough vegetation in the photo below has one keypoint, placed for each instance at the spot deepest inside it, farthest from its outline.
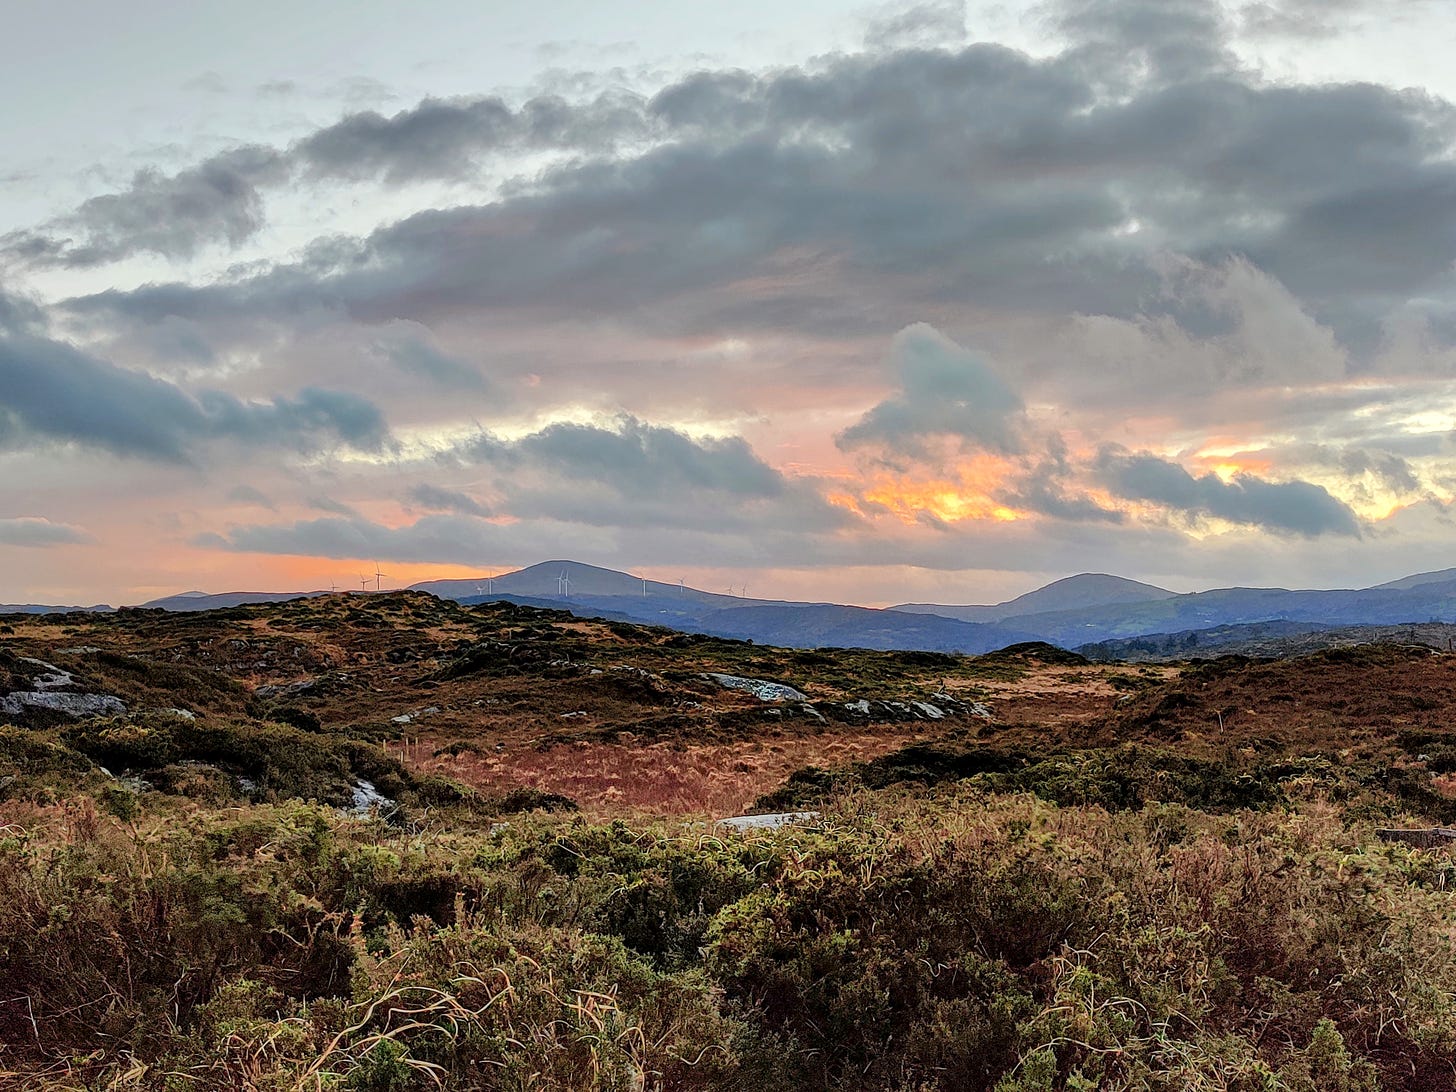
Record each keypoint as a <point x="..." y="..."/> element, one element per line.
<point x="1078" y="876"/>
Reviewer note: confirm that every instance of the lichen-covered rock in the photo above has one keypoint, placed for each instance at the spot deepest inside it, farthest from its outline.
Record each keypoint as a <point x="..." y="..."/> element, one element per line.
<point x="762" y="689"/>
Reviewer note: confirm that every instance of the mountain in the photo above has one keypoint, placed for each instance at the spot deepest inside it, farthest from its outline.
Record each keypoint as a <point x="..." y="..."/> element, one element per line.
<point x="1075" y="611"/>
<point x="1234" y="606"/>
<point x="544" y="581"/>
<point x="1440" y="576"/>
<point x="1070" y="593"/>
<point x="1266" y="640"/>
<point x="827" y="625"/>
<point x="1084" y="609"/>
<point x="606" y="593"/>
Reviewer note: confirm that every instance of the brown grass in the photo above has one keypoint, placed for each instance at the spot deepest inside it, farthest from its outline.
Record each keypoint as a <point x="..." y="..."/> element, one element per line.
<point x="658" y="779"/>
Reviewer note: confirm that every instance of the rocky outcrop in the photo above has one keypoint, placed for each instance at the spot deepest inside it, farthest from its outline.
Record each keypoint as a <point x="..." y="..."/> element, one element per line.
<point x="40" y="686"/>
<point x="761" y="689"/>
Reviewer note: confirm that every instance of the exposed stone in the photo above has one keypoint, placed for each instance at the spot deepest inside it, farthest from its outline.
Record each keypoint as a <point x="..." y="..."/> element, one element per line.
<point x="768" y="822"/>
<point x="762" y="689"/>
<point x="73" y="705"/>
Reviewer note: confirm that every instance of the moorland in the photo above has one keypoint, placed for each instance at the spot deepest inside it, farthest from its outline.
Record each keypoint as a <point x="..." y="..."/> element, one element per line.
<point x="387" y="842"/>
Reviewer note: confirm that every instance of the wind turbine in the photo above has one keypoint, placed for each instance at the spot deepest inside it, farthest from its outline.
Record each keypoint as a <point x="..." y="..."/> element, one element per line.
<point x="363" y="583"/>
<point x="563" y="585"/>
<point x="681" y="587"/>
<point x="378" y="576"/>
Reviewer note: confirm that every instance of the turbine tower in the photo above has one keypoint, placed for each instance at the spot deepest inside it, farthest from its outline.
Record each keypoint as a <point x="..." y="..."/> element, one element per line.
<point x="378" y="576"/>
<point x="363" y="582"/>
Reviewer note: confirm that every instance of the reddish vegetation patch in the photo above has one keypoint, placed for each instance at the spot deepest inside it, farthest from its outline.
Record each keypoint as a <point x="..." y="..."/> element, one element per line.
<point x="1339" y="698"/>
<point x="657" y="779"/>
<point x="1445" y="784"/>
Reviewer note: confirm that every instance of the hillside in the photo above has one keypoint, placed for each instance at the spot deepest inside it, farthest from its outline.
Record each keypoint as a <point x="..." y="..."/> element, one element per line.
<point x="418" y="844"/>
<point x="1266" y="640"/>
<point x="1070" y="593"/>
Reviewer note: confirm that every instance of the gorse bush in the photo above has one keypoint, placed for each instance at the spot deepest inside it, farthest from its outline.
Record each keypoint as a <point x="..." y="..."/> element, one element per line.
<point x="909" y="942"/>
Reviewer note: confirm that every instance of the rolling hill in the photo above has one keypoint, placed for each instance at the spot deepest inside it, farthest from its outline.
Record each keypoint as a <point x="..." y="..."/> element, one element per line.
<point x="1085" y="590"/>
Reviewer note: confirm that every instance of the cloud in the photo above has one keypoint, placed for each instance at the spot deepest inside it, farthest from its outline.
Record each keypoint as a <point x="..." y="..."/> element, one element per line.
<point x="51" y="391"/>
<point x="625" y="478"/>
<point x="638" y="458"/>
<point x="328" y="504"/>
<point x="416" y="356"/>
<point x="33" y="531"/>
<point x="446" y="500"/>
<point x="945" y="391"/>
<point x="18" y="314"/>
<point x="220" y="200"/>
<point x="915" y="182"/>
<point x="633" y="473"/>
<point x="246" y="494"/>
<point x="1293" y="507"/>
<point x="1300" y="19"/>
<point x="445" y="138"/>
<point x="217" y="201"/>
<point x="926" y="25"/>
<point x="1045" y="489"/>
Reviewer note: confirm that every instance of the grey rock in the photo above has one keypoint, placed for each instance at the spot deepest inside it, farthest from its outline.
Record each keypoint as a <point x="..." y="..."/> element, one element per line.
<point x="768" y="822"/>
<point x="72" y="705"/>
<point x="762" y="689"/>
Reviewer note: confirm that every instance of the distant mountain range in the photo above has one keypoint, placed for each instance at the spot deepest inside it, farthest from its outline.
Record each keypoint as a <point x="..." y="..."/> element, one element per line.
<point x="1086" y="590"/>
<point x="1086" y="609"/>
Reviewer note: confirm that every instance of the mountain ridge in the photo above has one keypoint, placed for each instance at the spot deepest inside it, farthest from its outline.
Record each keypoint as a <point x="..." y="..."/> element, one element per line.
<point x="1070" y="592"/>
<point x="1073" y="611"/>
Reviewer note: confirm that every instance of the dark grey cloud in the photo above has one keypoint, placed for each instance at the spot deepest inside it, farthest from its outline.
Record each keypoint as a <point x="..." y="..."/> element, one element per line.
<point x="1161" y="41"/>
<point x="1389" y="469"/>
<point x="1046" y="488"/>
<point x="630" y="473"/>
<point x="52" y="392"/>
<point x="1284" y="507"/>
<point x="446" y="138"/>
<point x="435" y="499"/>
<point x="221" y="199"/>
<point x="19" y="314"/>
<point x="917" y="180"/>
<point x="638" y="459"/>
<point x="945" y="391"/>
<point x="218" y="201"/>
<point x="32" y="531"/>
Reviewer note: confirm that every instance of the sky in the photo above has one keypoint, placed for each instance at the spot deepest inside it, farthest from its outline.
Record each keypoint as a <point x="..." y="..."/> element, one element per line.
<point x="869" y="303"/>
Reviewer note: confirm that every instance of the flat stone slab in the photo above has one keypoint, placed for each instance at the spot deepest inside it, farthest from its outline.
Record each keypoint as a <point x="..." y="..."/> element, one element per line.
<point x="73" y="705"/>
<point x="762" y="689"/>
<point x="767" y="822"/>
